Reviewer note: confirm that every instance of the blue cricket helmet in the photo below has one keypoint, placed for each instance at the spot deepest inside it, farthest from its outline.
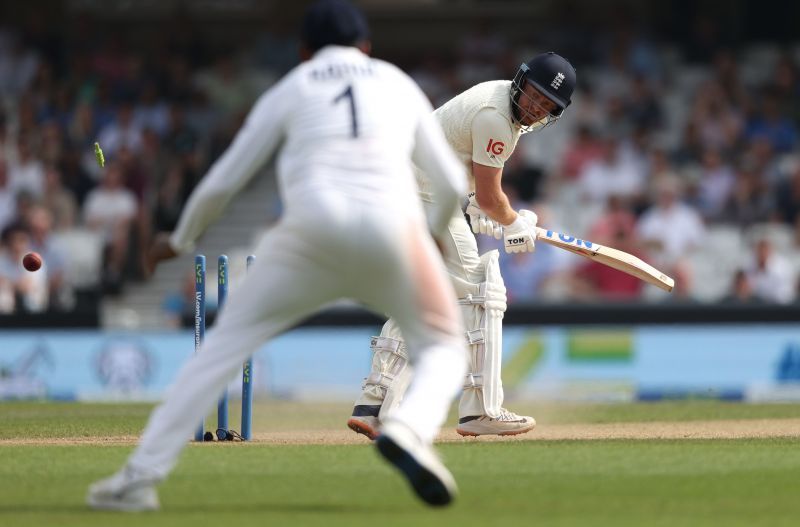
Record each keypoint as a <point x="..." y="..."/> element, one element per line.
<point x="549" y="73"/>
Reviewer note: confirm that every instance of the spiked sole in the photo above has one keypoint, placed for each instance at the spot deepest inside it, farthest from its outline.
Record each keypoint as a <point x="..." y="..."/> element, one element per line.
<point x="360" y="427"/>
<point x="425" y="483"/>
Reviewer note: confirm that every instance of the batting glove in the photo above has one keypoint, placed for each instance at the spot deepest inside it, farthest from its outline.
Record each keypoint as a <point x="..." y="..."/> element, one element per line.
<point x="480" y="222"/>
<point x="520" y="236"/>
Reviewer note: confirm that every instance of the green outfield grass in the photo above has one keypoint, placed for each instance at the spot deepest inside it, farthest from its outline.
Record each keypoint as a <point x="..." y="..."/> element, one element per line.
<point x="624" y="482"/>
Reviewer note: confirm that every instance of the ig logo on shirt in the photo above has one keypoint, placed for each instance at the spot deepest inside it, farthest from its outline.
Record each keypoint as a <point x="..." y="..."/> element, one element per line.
<point x="495" y="147"/>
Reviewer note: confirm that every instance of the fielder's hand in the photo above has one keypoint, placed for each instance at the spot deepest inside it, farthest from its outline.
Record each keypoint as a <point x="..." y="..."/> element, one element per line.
<point x="520" y="236"/>
<point x="480" y="222"/>
<point x="160" y="250"/>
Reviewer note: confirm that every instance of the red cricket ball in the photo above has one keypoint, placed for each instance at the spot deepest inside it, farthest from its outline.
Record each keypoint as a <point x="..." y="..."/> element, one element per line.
<point x="32" y="261"/>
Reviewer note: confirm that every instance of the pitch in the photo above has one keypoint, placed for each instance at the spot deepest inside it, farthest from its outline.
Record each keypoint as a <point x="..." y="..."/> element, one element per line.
<point x="693" y="463"/>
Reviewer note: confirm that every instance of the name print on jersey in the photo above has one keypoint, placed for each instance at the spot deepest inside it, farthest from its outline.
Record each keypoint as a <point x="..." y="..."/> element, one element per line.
<point x="340" y="71"/>
<point x="495" y="147"/>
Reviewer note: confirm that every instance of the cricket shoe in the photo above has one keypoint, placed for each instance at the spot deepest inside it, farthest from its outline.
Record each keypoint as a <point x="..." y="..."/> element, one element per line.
<point x="429" y="478"/>
<point x="129" y="490"/>
<point x="505" y="424"/>
<point x="365" y="420"/>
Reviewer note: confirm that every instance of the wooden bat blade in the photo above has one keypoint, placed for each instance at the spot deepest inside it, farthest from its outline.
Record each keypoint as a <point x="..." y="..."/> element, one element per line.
<point x="614" y="258"/>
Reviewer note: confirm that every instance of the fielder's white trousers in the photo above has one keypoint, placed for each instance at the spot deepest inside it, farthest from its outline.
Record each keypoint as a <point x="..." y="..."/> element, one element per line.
<point x="384" y="259"/>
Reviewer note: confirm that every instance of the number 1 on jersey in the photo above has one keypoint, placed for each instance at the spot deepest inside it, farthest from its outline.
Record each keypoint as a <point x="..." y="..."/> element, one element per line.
<point x="348" y="93"/>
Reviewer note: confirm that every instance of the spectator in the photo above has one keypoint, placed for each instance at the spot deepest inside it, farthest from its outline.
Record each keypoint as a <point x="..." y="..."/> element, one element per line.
<point x="51" y="146"/>
<point x="759" y="155"/>
<point x="643" y="107"/>
<point x="226" y="86"/>
<point x="772" y="125"/>
<point x="18" y="66"/>
<point x="741" y="291"/>
<point x="478" y="54"/>
<point x="122" y="132"/>
<point x="786" y="87"/>
<point x="151" y="112"/>
<point x="584" y="148"/>
<point x="110" y="210"/>
<point x="20" y="290"/>
<point x="153" y="160"/>
<point x="170" y="198"/>
<point x="771" y="275"/>
<point x="727" y="77"/>
<point x="75" y="179"/>
<point x="26" y="172"/>
<point x="788" y="197"/>
<point x="6" y="152"/>
<point x="715" y="185"/>
<point x="671" y="230"/>
<point x="59" y="201"/>
<point x="719" y="125"/>
<point x="659" y="166"/>
<point x="25" y="201"/>
<point x="181" y="139"/>
<point x="82" y="127"/>
<point x="749" y="202"/>
<point x="135" y="179"/>
<point x="8" y="204"/>
<point x="612" y="175"/>
<point x="691" y="147"/>
<point x="40" y="224"/>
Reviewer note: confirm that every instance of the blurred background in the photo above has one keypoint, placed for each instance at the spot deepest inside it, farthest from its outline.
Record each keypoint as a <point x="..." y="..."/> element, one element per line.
<point x="681" y="146"/>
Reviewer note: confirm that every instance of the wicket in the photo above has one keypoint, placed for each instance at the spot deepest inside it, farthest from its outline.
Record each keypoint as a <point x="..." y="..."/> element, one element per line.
<point x="223" y="280"/>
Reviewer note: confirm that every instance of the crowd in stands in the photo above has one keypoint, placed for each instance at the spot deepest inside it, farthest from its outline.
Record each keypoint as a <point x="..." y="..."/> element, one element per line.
<point x="162" y="116"/>
<point x="693" y="166"/>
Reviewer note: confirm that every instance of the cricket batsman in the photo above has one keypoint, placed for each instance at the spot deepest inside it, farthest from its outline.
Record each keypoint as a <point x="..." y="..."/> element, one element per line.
<point x="482" y="125"/>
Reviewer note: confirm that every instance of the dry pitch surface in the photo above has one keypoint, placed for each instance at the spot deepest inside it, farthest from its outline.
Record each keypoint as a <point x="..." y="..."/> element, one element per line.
<point x="292" y="423"/>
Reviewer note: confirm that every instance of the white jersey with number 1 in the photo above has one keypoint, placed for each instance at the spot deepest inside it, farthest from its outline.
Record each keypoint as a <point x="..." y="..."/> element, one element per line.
<point x="348" y="124"/>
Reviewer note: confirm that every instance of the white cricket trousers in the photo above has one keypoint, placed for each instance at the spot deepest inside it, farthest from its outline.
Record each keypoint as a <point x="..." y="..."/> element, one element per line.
<point x="382" y="258"/>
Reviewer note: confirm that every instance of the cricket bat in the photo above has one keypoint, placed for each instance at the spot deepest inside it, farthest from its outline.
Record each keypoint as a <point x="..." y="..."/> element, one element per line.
<point x="614" y="258"/>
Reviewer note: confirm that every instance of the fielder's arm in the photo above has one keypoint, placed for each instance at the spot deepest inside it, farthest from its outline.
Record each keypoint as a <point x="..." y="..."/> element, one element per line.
<point x="435" y="157"/>
<point x="251" y="148"/>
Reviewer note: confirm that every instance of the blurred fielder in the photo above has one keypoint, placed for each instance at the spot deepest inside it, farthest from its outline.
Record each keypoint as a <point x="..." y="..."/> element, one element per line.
<point x="483" y="125"/>
<point x="353" y="226"/>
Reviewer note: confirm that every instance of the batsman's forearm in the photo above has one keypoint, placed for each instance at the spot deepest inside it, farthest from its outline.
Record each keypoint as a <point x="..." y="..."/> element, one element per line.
<point x="498" y="208"/>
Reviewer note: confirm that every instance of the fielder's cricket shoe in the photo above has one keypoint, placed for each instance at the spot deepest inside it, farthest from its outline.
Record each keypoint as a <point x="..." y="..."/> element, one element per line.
<point x="429" y="478"/>
<point x="129" y="490"/>
<point x="365" y="420"/>
<point x="505" y="424"/>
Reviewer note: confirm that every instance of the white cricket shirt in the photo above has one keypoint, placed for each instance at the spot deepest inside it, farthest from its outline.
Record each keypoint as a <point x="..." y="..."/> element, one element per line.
<point x="348" y="125"/>
<point x="479" y="126"/>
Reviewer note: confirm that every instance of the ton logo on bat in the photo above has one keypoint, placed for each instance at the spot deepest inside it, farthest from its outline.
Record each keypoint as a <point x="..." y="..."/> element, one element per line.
<point x="570" y="239"/>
